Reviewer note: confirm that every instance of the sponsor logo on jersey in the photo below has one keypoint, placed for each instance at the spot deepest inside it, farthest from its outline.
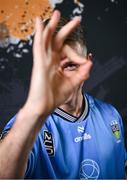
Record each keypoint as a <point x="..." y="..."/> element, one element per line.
<point x="49" y="143"/>
<point x="89" y="169"/>
<point x="80" y="129"/>
<point x="85" y="136"/>
<point x="115" y="129"/>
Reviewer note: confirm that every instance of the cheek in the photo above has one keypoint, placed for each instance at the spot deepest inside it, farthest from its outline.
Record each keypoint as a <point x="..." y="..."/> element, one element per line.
<point x="68" y="73"/>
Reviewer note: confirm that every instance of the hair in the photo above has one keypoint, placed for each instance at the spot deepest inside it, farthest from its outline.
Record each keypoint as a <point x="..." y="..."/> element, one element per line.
<point x="76" y="36"/>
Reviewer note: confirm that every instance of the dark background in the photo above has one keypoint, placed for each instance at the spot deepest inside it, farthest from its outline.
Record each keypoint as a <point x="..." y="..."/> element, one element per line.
<point x="105" y="24"/>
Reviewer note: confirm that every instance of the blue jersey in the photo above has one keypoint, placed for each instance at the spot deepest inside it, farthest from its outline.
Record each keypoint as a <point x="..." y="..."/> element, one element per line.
<point x="88" y="147"/>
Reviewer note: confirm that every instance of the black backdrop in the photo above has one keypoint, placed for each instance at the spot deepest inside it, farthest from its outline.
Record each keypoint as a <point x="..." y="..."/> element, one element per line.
<point x="105" y="24"/>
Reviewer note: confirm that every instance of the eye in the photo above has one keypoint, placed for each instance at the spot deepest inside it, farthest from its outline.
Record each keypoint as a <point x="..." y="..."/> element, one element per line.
<point x="70" y="66"/>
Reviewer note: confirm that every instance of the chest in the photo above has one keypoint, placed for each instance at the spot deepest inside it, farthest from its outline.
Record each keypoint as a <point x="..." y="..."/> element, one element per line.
<point x="77" y="149"/>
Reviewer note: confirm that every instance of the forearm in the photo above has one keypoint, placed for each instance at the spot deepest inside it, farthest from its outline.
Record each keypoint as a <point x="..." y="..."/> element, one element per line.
<point x="14" y="149"/>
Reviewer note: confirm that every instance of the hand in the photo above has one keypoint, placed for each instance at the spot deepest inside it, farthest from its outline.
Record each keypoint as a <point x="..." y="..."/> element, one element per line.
<point x="51" y="85"/>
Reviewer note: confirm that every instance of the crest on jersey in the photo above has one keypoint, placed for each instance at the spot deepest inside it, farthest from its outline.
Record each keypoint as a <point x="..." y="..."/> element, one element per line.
<point x="115" y="129"/>
<point x="49" y="143"/>
<point x="89" y="169"/>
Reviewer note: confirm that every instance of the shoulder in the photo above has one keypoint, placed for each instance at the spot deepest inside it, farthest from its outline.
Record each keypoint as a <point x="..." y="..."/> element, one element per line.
<point x="10" y="123"/>
<point x="105" y="112"/>
<point x="101" y="106"/>
<point x="7" y="127"/>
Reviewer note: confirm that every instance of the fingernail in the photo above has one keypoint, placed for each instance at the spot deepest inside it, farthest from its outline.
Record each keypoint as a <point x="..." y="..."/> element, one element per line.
<point x="57" y="12"/>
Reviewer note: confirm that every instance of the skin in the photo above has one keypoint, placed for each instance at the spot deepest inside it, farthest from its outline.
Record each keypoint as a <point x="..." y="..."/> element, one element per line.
<point x="74" y="104"/>
<point x="51" y="86"/>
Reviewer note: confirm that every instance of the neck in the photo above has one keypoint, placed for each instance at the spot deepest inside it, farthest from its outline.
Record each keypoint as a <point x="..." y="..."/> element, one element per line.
<point x="74" y="104"/>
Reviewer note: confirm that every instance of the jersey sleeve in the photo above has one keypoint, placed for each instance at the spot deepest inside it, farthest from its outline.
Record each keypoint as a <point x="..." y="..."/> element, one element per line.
<point x="7" y="127"/>
<point x="32" y="160"/>
<point x="122" y="130"/>
<point x="33" y="153"/>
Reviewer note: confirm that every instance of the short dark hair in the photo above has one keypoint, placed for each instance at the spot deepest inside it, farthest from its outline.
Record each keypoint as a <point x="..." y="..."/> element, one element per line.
<point x="76" y="36"/>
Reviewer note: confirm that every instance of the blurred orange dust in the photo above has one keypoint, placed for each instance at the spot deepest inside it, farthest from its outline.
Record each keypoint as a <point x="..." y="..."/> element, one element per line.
<point x="17" y="16"/>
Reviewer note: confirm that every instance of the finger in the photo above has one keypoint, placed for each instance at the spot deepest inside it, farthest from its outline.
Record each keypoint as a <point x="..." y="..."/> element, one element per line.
<point x="73" y="56"/>
<point x="50" y="28"/>
<point x="38" y="29"/>
<point x="37" y="43"/>
<point x="84" y="70"/>
<point x="65" y="31"/>
<point x="81" y="75"/>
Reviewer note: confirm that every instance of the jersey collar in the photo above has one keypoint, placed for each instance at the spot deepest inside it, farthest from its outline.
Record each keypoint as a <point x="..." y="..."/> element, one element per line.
<point x="60" y="112"/>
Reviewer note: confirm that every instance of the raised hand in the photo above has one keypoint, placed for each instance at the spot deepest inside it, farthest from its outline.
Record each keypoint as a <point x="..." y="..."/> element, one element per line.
<point x="51" y="84"/>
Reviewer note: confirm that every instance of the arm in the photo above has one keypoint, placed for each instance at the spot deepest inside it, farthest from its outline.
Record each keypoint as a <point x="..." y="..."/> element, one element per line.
<point x="50" y="87"/>
<point x="15" y="147"/>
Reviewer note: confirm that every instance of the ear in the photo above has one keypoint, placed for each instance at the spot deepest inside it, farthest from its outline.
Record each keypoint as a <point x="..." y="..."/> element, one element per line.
<point x="90" y="57"/>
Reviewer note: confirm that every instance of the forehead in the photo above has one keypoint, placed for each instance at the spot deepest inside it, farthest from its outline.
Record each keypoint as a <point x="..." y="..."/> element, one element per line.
<point x="75" y="45"/>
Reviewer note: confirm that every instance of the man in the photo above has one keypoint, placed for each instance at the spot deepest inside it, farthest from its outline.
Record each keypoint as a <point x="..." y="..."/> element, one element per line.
<point x="83" y="138"/>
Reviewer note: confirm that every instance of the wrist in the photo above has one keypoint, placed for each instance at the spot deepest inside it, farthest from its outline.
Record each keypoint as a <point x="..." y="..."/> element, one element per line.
<point x="34" y="110"/>
<point x="30" y="119"/>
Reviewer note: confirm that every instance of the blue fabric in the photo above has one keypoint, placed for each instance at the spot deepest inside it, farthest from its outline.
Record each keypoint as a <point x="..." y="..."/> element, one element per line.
<point x="82" y="150"/>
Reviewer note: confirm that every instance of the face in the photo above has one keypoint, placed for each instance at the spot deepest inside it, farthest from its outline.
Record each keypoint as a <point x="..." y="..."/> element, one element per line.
<point x="67" y="64"/>
<point x="70" y="67"/>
